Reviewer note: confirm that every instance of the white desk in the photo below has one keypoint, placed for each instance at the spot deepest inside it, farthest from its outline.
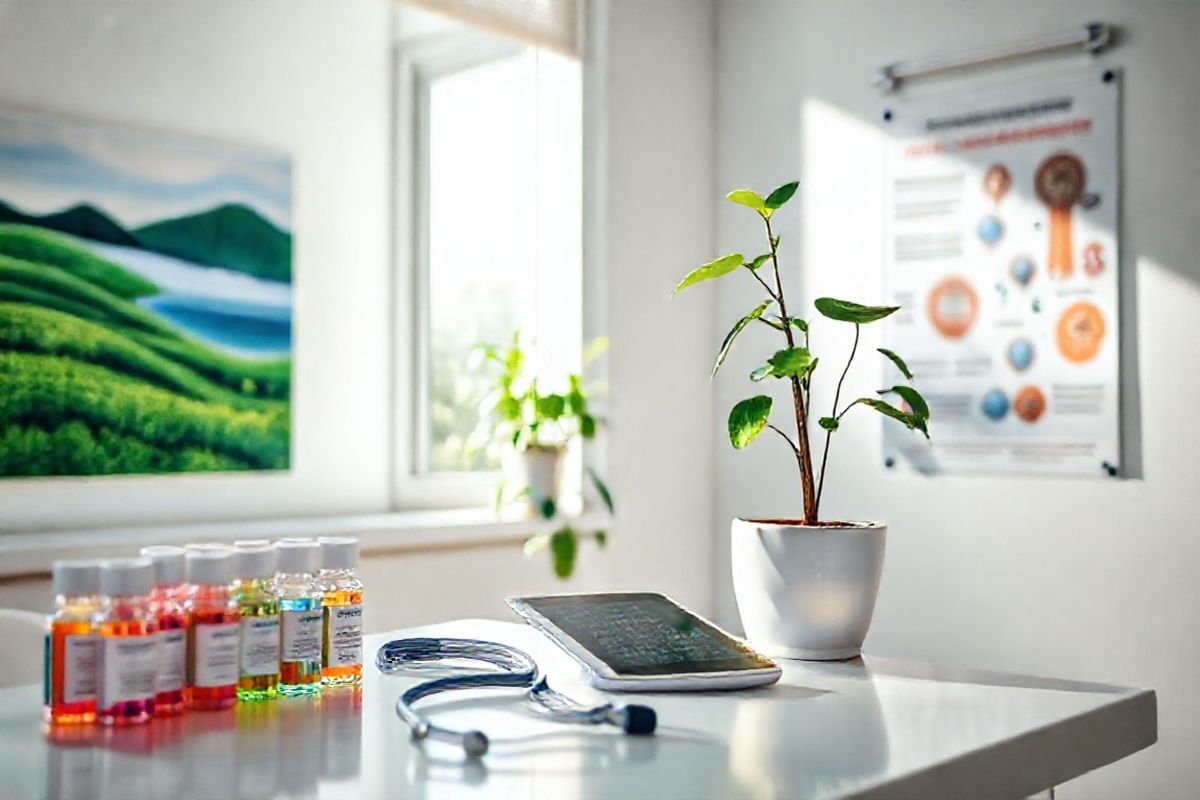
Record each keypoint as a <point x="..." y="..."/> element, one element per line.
<point x="873" y="728"/>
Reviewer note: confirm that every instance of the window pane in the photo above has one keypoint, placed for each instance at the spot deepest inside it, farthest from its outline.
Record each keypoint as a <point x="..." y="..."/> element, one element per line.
<point x="504" y="216"/>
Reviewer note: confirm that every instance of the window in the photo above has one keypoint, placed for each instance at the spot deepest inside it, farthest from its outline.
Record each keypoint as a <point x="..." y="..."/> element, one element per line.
<point x="495" y="212"/>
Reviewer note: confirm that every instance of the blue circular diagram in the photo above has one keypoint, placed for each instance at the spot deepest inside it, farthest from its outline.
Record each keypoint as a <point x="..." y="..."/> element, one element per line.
<point x="1020" y="354"/>
<point x="995" y="404"/>
<point x="1022" y="270"/>
<point x="990" y="229"/>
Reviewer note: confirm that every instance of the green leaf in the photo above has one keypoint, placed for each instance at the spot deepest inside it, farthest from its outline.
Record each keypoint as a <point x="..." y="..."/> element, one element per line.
<point x="536" y="544"/>
<point x="563" y="545"/>
<point x="601" y="539"/>
<point x="776" y="322"/>
<point x="846" y="311"/>
<point x="547" y="508"/>
<point x="713" y="269"/>
<point x="757" y="262"/>
<point x="898" y="361"/>
<point x="747" y="420"/>
<point x="587" y="426"/>
<point x="498" y="496"/>
<point x="791" y="361"/>
<point x="775" y="242"/>
<point x="828" y="423"/>
<point x="781" y="195"/>
<point x="551" y="406"/>
<point x="594" y="349"/>
<point x="602" y="490"/>
<point x="576" y="402"/>
<point x="911" y="396"/>
<point x="888" y="410"/>
<point x="919" y="424"/>
<point x="737" y="328"/>
<point x="745" y="197"/>
<point x="765" y="371"/>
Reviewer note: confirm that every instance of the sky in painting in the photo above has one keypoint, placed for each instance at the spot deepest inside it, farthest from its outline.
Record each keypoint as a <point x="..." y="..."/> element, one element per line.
<point x="49" y="164"/>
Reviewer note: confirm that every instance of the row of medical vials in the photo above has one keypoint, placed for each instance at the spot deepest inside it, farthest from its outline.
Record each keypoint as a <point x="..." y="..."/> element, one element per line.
<point x="201" y="627"/>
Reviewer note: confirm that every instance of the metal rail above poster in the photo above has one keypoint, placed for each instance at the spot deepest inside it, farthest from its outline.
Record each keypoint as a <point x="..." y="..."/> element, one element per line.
<point x="1002" y="247"/>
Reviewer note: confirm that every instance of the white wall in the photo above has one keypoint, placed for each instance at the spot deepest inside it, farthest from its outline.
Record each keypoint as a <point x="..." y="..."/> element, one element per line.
<point x="1089" y="579"/>
<point x="312" y="78"/>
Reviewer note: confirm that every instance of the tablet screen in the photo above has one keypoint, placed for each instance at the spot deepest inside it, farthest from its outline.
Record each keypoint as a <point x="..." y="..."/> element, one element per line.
<point x="645" y="634"/>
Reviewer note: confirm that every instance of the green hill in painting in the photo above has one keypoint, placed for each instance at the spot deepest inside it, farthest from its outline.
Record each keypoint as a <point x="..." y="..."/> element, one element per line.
<point x="233" y="236"/>
<point x="91" y="383"/>
<point x="83" y="220"/>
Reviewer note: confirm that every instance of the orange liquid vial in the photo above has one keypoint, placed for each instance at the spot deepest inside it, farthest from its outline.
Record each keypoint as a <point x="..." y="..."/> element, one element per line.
<point x="342" y="597"/>
<point x="213" y="633"/>
<point x="69" y="693"/>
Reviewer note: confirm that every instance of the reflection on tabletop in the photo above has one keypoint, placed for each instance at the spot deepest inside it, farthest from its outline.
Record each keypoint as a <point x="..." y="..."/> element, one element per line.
<point x="294" y="747"/>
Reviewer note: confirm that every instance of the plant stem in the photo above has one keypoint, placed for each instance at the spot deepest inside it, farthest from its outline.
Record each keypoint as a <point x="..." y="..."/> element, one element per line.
<point x="803" y="454"/>
<point x="786" y="438"/>
<point x="764" y="285"/>
<point x="836" y="396"/>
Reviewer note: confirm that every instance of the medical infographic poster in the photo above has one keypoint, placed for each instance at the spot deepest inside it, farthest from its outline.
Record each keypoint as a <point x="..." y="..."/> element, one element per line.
<point x="1001" y="247"/>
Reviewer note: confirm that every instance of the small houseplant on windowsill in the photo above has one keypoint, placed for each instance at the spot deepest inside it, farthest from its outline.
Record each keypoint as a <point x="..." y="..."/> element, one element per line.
<point x="805" y="587"/>
<point x="532" y="430"/>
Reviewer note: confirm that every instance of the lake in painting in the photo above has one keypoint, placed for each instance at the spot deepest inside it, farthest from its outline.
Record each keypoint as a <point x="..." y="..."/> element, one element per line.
<point x="145" y="302"/>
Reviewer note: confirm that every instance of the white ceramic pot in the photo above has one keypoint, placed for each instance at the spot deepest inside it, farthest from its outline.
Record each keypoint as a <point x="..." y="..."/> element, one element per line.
<point x="541" y="471"/>
<point x="807" y="592"/>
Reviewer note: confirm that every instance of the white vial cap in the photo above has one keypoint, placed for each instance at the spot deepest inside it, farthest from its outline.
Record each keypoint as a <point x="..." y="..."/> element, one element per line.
<point x="251" y="543"/>
<point x="193" y="546"/>
<point x="297" y="555"/>
<point x="126" y="577"/>
<point x="168" y="563"/>
<point x="77" y="577"/>
<point x="257" y="561"/>
<point x="211" y="566"/>
<point x="338" y="552"/>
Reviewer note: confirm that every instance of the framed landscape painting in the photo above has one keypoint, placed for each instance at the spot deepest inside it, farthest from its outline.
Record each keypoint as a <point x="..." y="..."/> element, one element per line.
<point x="145" y="302"/>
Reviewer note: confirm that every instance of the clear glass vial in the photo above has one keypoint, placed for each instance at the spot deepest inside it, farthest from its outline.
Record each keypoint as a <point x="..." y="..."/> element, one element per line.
<point x="301" y="616"/>
<point x="342" y="591"/>
<point x="69" y="694"/>
<point x="254" y="588"/>
<point x="128" y="646"/>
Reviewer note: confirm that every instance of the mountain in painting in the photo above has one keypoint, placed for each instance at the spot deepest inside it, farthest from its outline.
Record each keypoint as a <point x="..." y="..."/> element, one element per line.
<point x="83" y="220"/>
<point x="233" y="236"/>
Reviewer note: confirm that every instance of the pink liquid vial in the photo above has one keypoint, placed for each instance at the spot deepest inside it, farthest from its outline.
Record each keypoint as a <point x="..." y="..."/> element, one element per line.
<point x="170" y="618"/>
<point x="128" y="648"/>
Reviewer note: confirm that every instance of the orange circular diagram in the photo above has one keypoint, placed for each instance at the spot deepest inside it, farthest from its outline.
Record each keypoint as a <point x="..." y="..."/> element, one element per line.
<point x="952" y="307"/>
<point x="1080" y="332"/>
<point x="1029" y="403"/>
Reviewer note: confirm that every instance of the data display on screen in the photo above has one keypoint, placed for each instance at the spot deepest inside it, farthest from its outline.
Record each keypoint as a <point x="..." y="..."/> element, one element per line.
<point x="645" y="634"/>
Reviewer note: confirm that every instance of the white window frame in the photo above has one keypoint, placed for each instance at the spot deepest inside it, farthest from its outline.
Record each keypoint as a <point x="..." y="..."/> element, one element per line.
<point x="414" y="67"/>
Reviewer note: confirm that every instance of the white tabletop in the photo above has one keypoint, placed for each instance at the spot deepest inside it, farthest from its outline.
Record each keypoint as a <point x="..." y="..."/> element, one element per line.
<point x="869" y="728"/>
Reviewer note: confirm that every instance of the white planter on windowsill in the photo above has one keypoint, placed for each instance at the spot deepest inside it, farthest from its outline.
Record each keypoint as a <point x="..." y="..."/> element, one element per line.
<point x="540" y="469"/>
<point x="807" y="591"/>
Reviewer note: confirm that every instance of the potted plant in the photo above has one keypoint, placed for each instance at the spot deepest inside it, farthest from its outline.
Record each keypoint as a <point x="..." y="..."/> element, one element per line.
<point x="805" y="587"/>
<point x="532" y="429"/>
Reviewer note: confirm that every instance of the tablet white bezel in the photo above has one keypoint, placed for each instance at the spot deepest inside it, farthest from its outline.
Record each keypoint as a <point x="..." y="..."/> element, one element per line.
<point x="604" y="677"/>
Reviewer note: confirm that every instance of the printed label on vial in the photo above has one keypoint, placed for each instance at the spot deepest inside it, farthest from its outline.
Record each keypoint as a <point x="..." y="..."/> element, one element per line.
<point x="216" y="655"/>
<point x="80" y="667"/>
<point x="343" y="632"/>
<point x="260" y="645"/>
<point x="128" y="665"/>
<point x="172" y="660"/>
<point x="302" y="635"/>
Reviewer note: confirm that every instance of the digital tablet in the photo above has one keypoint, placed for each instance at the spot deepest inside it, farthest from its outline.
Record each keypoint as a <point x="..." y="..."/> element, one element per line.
<point x="644" y="641"/>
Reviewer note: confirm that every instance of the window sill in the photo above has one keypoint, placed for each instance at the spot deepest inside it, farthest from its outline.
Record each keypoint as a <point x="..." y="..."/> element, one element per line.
<point x="32" y="554"/>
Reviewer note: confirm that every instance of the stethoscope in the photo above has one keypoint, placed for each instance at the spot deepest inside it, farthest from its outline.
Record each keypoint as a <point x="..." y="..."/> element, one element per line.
<point x="513" y="669"/>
